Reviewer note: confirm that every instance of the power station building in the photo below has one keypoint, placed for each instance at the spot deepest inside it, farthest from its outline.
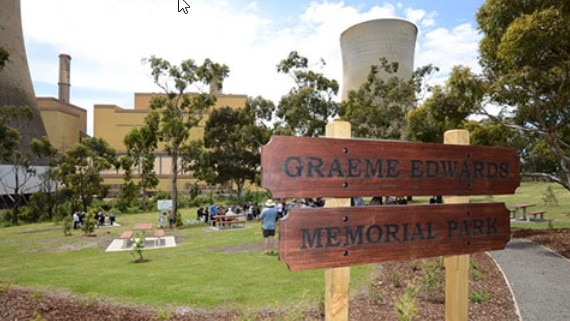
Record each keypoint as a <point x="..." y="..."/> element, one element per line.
<point x="112" y="123"/>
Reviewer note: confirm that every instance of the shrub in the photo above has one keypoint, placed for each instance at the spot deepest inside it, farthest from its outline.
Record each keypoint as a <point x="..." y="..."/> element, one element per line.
<point x="406" y="304"/>
<point x="479" y="297"/>
<point x="375" y="294"/>
<point x="66" y="224"/>
<point x="89" y="222"/>
<point x="138" y="240"/>
<point x="396" y="279"/>
<point x="431" y="280"/>
<point x="474" y="272"/>
<point x="549" y="197"/>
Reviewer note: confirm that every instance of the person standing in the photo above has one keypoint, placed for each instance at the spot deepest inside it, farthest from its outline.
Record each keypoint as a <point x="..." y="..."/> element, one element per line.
<point x="171" y="219"/>
<point x="268" y="220"/>
<point x="75" y="220"/>
<point x="213" y="213"/>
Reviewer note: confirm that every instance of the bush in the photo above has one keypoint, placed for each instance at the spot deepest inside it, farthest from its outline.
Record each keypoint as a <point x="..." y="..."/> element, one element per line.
<point x="89" y="222"/>
<point x="406" y="305"/>
<point x="66" y="225"/>
<point x="479" y="297"/>
<point x="138" y="240"/>
<point x="62" y="211"/>
<point x="29" y="214"/>
<point x="549" y="197"/>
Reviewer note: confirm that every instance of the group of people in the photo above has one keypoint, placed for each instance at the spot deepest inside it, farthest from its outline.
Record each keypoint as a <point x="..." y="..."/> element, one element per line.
<point x="390" y="200"/>
<point x="79" y="219"/>
<point x="163" y="216"/>
<point x="206" y="214"/>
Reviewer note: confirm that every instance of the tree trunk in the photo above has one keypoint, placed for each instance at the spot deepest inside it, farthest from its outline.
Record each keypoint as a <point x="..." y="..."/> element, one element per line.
<point x="174" y="186"/>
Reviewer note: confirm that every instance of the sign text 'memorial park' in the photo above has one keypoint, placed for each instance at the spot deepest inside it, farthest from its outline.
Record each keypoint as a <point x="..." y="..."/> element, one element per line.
<point x="335" y="237"/>
<point x="304" y="166"/>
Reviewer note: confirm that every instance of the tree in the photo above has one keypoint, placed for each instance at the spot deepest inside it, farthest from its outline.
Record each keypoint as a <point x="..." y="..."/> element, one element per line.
<point x="310" y="105"/>
<point x="4" y="55"/>
<point x="379" y="107"/>
<point x="448" y="107"/>
<point x="80" y="168"/>
<point x="176" y="112"/>
<point x="141" y="144"/>
<point x="47" y="200"/>
<point x="18" y="181"/>
<point x="525" y="55"/>
<point x="10" y="137"/>
<point x="233" y="142"/>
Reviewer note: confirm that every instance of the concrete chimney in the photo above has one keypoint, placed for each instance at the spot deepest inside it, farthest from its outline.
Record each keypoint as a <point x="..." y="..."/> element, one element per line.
<point x="64" y="83"/>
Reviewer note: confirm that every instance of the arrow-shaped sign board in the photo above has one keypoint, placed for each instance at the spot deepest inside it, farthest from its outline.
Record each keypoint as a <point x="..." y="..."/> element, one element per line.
<point x="336" y="237"/>
<point x="328" y="167"/>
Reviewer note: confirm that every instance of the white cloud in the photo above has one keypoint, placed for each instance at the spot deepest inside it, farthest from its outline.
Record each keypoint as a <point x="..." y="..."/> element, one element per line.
<point x="446" y="48"/>
<point x="108" y="38"/>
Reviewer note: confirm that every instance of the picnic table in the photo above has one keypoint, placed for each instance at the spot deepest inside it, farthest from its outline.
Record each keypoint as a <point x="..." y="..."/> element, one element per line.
<point x="521" y="209"/>
<point x="142" y="227"/>
<point x="229" y="220"/>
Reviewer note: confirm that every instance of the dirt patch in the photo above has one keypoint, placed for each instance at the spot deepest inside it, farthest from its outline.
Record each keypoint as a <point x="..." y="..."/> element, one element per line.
<point x="374" y="303"/>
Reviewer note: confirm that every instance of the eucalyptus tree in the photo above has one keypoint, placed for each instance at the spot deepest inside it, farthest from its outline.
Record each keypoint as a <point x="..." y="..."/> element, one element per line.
<point x="141" y="144"/>
<point x="310" y="104"/>
<point x="232" y="140"/>
<point x="175" y="112"/>
<point x="378" y="108"/>
<point x="525" y="55"/>
<point x="448" y="107"/>
<point x="80" y="168"/>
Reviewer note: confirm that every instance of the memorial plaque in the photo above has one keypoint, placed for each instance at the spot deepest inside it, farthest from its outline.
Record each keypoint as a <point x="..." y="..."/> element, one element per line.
<point x="336" y="237"/>
<point x="328" y="167"/>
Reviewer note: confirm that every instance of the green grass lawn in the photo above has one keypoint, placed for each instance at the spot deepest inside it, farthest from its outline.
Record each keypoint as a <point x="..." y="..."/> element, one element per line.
<point x="207" y="269"/>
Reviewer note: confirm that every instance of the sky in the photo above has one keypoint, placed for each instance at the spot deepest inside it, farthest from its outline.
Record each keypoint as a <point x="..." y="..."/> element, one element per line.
<point x="108" y="41"/>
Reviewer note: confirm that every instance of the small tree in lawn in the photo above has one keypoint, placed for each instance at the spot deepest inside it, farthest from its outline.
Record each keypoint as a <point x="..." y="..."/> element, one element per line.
<point x="137" y="250"/>
<point x="89" y="223"/>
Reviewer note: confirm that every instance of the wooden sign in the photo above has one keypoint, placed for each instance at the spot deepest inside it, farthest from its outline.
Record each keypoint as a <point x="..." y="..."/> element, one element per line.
<point x="336" y="237"/>
<point x="312" y="167"/>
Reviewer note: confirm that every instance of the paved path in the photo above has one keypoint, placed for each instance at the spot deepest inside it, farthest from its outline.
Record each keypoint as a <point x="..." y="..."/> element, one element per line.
<point x="540" y="280"/>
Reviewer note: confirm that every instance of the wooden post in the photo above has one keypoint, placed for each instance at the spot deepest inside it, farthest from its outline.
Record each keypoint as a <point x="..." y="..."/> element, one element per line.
<point x="457" y="266"/>
<point x="337" y="280"/>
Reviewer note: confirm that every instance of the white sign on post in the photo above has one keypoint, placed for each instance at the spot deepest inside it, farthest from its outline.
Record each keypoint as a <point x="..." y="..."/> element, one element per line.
<point x="164" y="205"/>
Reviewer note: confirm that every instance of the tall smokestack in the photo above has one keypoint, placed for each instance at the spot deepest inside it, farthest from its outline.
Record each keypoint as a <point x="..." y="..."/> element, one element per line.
<point x="15" y="81"/>
<point x="64" y="84"/>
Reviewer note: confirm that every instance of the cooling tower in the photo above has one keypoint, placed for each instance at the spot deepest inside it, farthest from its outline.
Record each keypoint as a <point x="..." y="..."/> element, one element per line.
<point x="15" y="80"/>
<point x="363" y="44"/>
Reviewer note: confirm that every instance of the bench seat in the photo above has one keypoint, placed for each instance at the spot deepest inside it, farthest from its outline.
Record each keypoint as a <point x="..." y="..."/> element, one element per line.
<point x="230" y="224"/>
<point x="537" y="213"/>
<point x="126" y="237"/>
<point x="158" y="234"/>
